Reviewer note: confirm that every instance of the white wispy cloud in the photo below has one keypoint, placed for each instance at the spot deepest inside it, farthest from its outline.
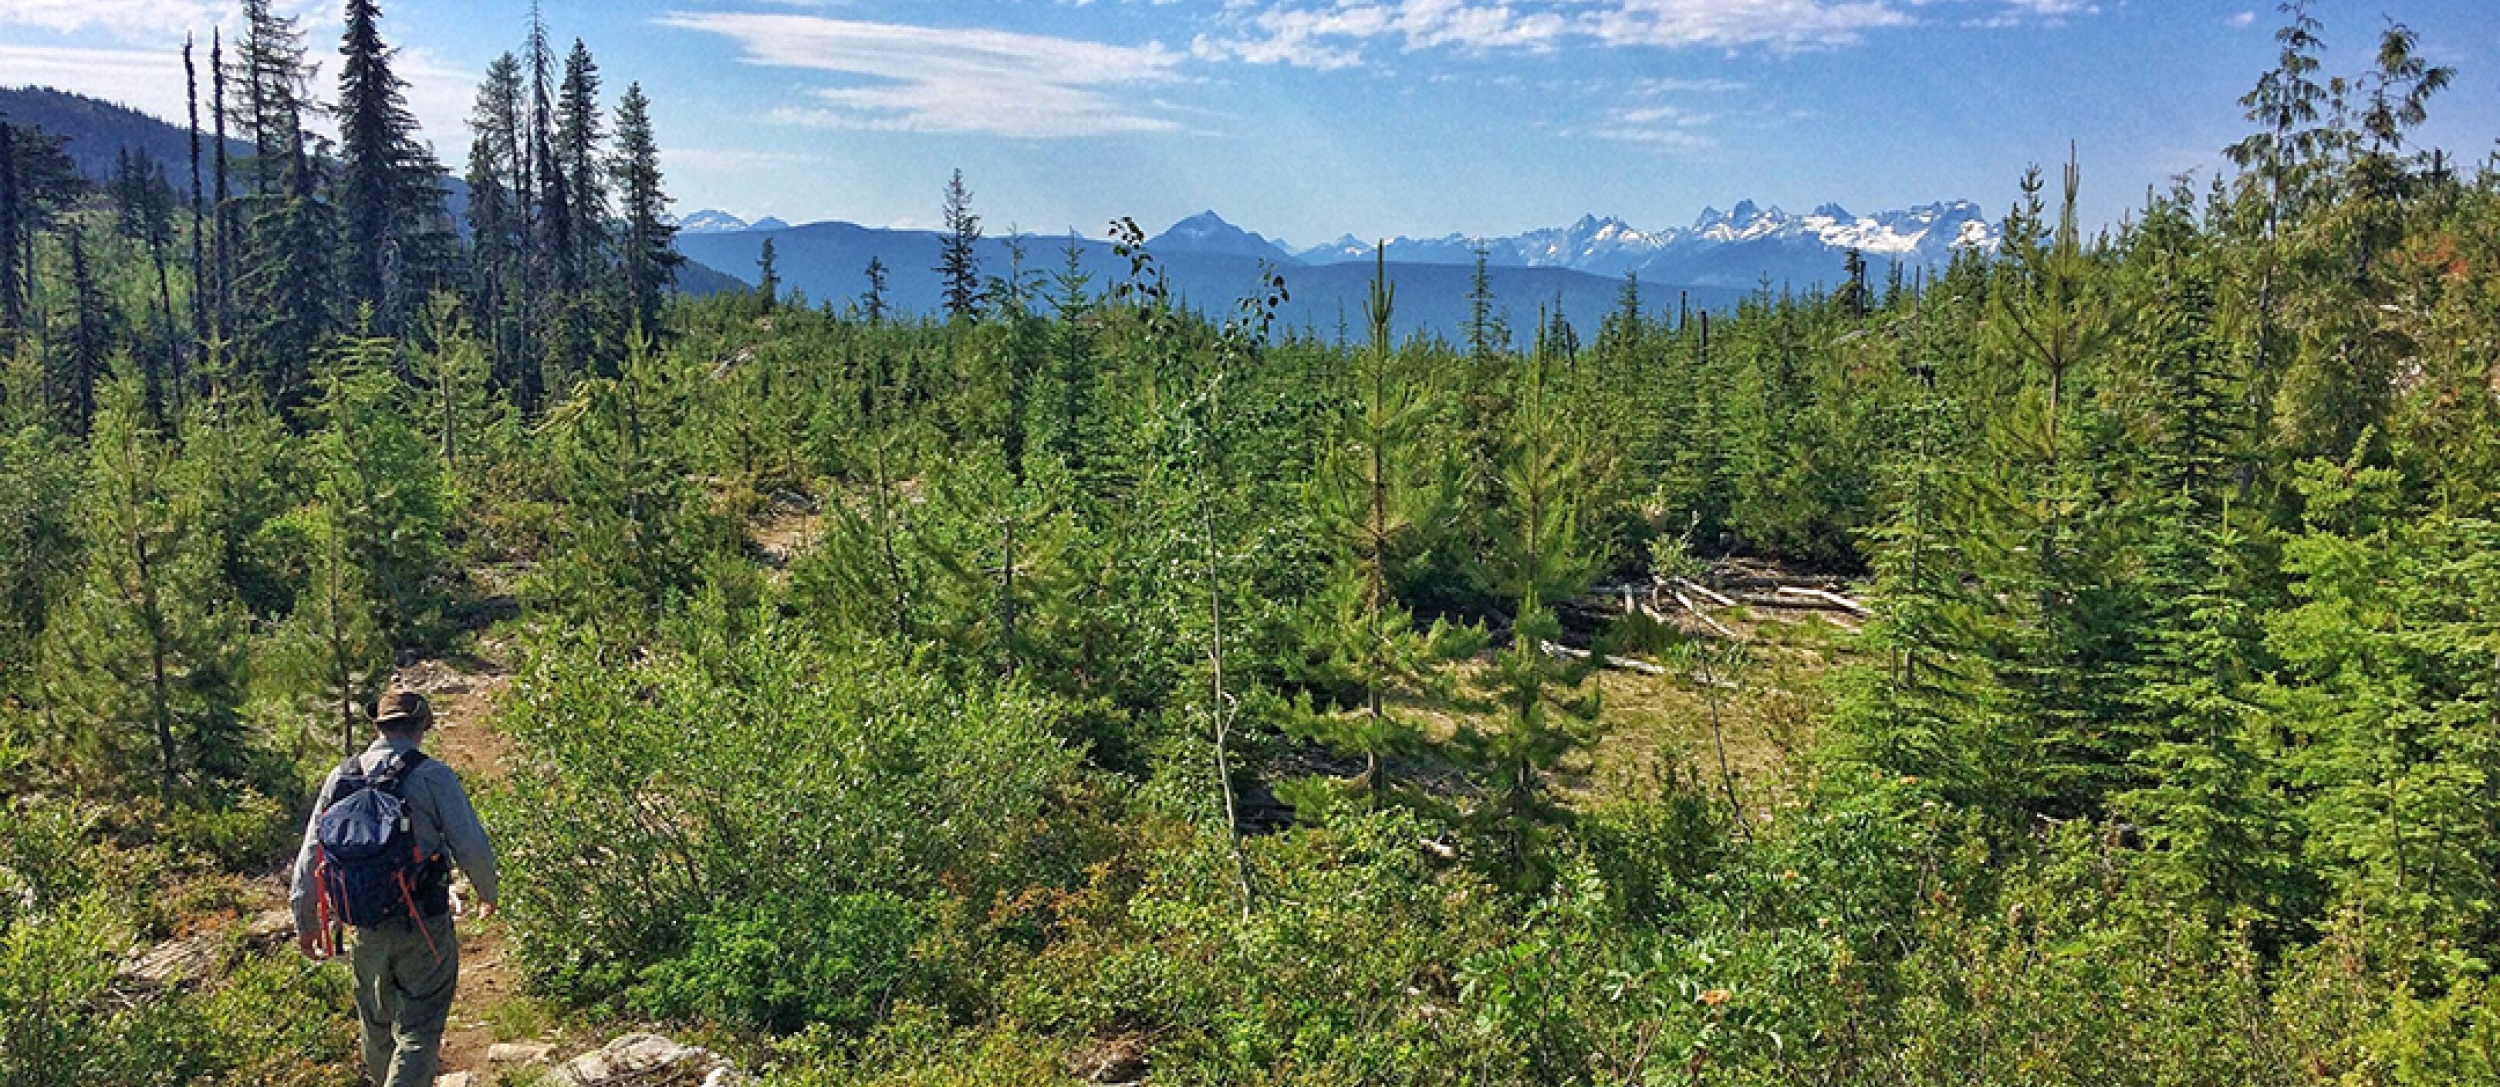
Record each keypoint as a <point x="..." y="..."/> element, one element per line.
<point x="929" y="79"/>
<point x="1337" y="33"/>
<point x="1331" y="35"/>
<point x="1780" y="24"/>
<point x="1660" y="127"/>
<point x="129" y="20"/>
<point x="146" y="80"/>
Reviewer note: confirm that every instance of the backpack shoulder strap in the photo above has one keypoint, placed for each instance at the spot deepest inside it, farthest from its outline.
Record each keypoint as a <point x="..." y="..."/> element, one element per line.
<point x="398" y="767"/>
<point x="348" y="770"/>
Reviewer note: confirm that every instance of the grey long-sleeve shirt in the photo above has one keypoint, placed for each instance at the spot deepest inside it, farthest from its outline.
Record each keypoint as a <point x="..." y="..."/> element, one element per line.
<point x="440" y="816"/>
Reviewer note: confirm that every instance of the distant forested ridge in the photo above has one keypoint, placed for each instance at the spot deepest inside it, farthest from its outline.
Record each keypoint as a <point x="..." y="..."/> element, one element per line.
<point x="2079" y="665"/>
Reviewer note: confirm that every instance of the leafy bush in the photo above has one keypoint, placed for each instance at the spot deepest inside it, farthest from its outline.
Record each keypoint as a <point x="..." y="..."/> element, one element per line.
<point x="680" y="817"/>
<point x="783" y="963"/>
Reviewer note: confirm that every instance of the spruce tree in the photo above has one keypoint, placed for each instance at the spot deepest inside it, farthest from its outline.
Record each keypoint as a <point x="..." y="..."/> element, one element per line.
<point x="243" y="470"/>
<point x="199" y="227"/>
<point x="1488" y="334"/>
<point x="1072" y="423"/>
<point x="578" y="134"/>
<point x="497" y="227"/>
<point x="221" y="266"/>
<point x="41" y="534"/>
<point x="872" y="300"/>
<point x="12" y="217"/>
<point x="767" y="278"/>
<point x="959" y="264"/>
<point x="2208" y="799"/>
<point x="330" y="653"/>
<point x="380" y="487"/>
<point x="148" y="651"/>
<point x="649" y="244"/>
<point x="282" y="289"/>
<point x="388" y="193"/>
<point x="546" y="304"/>
<point x="143" y="204"/>
<point x="91" y="334"/>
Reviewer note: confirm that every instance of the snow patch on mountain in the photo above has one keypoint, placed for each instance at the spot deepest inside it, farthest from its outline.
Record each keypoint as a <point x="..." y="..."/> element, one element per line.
<point x="710" y="221"/>
<point x="1737" y="246"/>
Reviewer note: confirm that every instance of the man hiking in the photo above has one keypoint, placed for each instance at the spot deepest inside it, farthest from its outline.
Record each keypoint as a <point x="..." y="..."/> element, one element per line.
<point x="374" y="860"/>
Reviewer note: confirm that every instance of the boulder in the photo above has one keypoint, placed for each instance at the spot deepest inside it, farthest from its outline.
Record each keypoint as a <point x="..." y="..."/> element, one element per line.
<point x="204" y="955"/>
<point x="1108" y="1061"/>
<point x="646" y="1060"/>
<point x="518" y="1052"/>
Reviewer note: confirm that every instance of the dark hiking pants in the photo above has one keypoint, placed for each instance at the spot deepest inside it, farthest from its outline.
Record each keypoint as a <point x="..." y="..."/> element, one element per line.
<point x="405" y="973"/>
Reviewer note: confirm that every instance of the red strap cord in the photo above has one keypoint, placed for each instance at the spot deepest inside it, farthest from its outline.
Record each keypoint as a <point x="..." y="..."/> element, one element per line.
<point x="415" y="917"/>
<point x="321" y="902"/>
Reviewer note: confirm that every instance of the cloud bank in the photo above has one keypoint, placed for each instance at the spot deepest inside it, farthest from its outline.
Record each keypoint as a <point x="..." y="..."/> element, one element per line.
<point x="935" y="80"/>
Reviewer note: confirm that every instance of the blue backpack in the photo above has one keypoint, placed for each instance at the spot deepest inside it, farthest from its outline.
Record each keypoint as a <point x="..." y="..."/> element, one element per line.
<point x="365" y="849"/>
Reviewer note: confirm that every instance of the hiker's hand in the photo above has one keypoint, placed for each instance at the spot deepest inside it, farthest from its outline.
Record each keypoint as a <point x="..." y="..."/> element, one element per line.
<point x="310" y="945"/>
<point x="485" y="911"/>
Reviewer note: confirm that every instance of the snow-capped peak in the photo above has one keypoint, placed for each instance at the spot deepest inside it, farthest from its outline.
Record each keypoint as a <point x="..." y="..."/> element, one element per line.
<point x="710" y="221"/>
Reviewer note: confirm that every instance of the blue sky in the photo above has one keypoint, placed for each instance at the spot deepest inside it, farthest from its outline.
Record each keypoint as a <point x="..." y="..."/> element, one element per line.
<point x="1309" y="118"/>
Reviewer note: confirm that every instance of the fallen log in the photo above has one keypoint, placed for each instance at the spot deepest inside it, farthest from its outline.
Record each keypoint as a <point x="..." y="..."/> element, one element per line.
<point x="1704" y="616"/>
<point x="1626" y="663"/>
<point x="1799" y="601"/>
<point x="1835" y="599"/>
<point x="1704" y="592"/>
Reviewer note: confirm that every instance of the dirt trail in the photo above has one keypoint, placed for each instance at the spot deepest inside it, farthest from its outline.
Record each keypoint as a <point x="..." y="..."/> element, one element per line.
<point x="463" y="690"/>
<point x="786" y="530"/>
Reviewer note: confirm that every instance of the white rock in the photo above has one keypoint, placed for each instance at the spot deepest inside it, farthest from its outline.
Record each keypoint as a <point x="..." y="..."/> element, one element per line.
<point x="645" y="1060"/>
<point x="518" y="1052"/>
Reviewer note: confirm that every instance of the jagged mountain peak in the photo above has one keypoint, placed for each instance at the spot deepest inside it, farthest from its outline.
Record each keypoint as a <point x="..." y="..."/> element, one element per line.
<point x="709" y="221"/>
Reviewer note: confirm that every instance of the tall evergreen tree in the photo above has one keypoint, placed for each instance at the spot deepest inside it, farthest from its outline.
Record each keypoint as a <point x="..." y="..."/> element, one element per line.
<point x="767" y="278"/>
<point x="578" y="134"/>
<point x="1488" y="334"/>
<point x="199" y="228"/>
<point x="959" y="263"/>
<point x="547" y="263"/>
<point x="37" y="182"/>
<point x="91" y="335"/>
<point x="649" y="251"/>
<point x="221" y="267"/>
<point x="388" y="193"/>
<point x="497" y="219"/>
<point x="12" y="216"/>
<point x="143" y="205"/>
<point x="872" y="300"/>
<point x="282" y="285"/>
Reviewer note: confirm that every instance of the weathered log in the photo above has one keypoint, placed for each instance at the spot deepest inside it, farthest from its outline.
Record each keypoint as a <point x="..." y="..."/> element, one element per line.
<point x="1626" y="663"/>
<point x="1703" y="591"/>
<point x="1704" y="616"/>
<point x="1837" y="600"/>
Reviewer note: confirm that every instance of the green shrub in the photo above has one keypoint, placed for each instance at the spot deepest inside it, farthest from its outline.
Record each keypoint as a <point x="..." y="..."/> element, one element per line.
<point x="824" y="789"/>
<point x="781" y="964"/>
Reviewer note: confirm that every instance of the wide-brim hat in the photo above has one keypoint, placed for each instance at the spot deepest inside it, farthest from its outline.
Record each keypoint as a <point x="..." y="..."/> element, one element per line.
<point x="403" y="708"/>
